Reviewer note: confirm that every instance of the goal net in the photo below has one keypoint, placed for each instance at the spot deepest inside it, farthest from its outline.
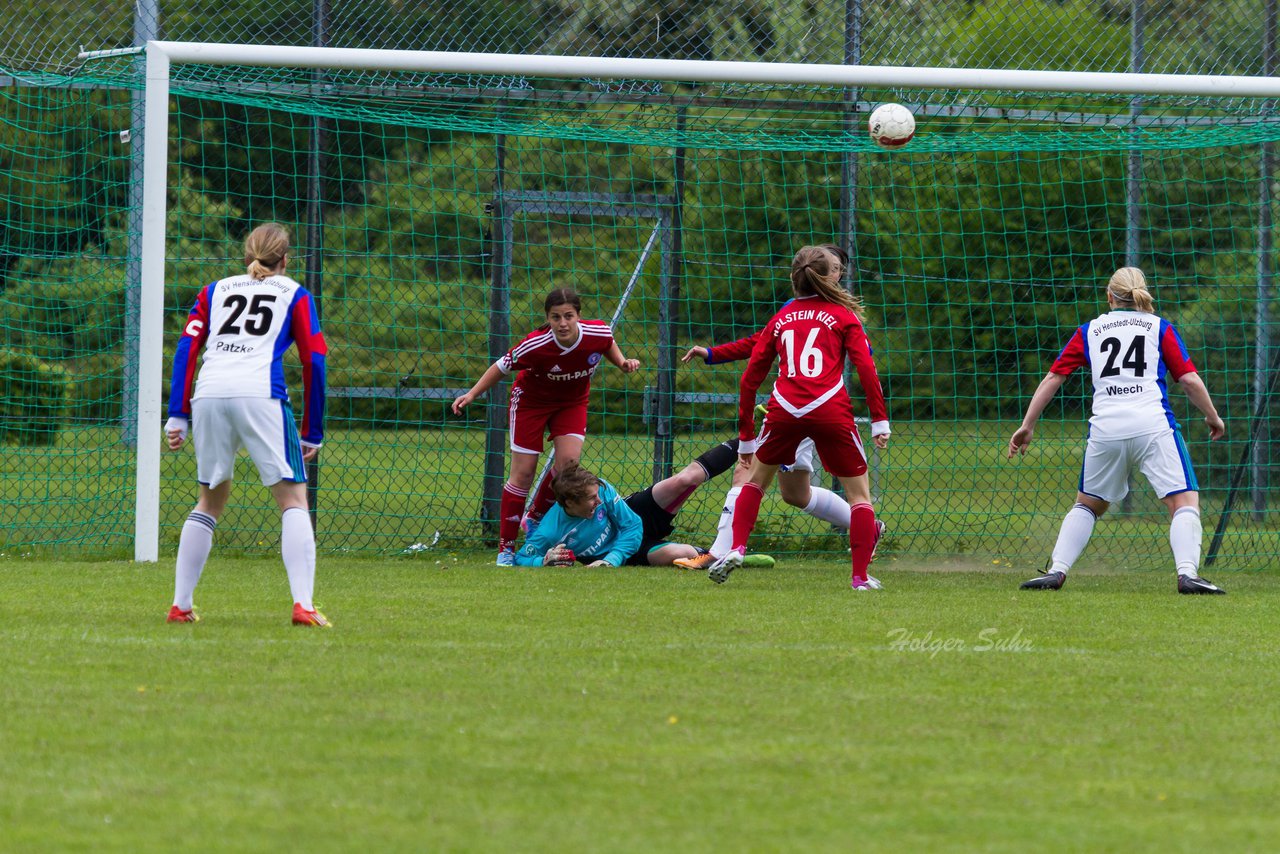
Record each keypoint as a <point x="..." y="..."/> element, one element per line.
<point x="433" y="204"/>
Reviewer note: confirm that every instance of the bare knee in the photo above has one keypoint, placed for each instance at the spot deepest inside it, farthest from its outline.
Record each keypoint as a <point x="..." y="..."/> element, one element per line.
<point x="522" y="469"/>
<point x="290" y="495"/>
<point x="1096" y="505"/>
<point x="213" y="500"/>
<point x="690" y="476"/>
<point x="795" y="489"/>
<point x="1179" y="500"/>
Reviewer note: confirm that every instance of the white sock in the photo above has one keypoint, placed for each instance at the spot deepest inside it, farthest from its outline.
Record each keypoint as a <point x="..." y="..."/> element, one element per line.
<point x="298" y="548"/>
<point x="724" y="528"/>
<point x="194" y="544"/>
<point x="1184" y="538"/>
<point x="827" y="506"/>
<point x="1073" y="536"/>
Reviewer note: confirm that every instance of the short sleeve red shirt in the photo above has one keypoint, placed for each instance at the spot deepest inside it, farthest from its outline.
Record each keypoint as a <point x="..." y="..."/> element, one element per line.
<point x="551" y="374"/>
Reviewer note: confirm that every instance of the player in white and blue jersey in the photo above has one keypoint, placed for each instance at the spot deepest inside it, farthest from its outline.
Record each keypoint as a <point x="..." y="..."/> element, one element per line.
<point x="240" y="327"/>
<point x="1131" y="354"/>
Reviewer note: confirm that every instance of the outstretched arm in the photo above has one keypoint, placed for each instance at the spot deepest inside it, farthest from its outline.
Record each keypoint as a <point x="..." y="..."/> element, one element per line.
<point x="696" y="353"/>
<point x="487" y="380"/>
<point x="1199" y="397"/>
<point x="615" y="357"/>
<point x="1044" y="393"/>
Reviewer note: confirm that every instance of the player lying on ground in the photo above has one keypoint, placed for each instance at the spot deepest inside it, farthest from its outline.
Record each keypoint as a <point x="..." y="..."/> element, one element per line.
<point x="1128" y="351"/>
<point x="795" y="482"/>
<point x="810" y="338"/>
<point x="244" y="324"/>
<point x="591" y="523"/>
<point x="549" y="396"/>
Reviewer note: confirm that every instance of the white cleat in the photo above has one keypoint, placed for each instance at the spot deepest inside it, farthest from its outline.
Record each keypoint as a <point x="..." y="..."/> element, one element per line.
<point x="719" y="571"/>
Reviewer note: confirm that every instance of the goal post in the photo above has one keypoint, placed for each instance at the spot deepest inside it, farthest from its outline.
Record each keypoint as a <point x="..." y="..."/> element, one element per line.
<point x="771" y="90"/>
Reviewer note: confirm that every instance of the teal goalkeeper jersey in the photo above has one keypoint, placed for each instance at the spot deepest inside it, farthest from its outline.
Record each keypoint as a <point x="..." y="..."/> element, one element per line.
<point x="613" y="532"/>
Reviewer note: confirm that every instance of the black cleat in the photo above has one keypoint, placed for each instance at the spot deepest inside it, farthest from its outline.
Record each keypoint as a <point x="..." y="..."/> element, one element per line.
<point x="1194" y="584"/>
<point x="1051" y="580"/>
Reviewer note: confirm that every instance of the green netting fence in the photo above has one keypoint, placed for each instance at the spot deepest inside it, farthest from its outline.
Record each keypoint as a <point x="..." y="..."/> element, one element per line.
<point x="432" y="213"/>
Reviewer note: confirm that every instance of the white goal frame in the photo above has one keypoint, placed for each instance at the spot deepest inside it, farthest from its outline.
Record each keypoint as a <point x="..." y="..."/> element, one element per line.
<point x="162" y="55"/>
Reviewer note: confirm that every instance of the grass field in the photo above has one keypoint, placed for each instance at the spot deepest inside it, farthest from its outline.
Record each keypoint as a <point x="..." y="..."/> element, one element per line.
<point x="460" y="707"/>
<point x="946" y="489"/>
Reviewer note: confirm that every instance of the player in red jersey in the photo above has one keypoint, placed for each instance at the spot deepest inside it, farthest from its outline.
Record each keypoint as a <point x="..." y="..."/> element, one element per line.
<point x="810" y="337"/>
<point x="549" y="397"/>
<point x="794" y="479"/>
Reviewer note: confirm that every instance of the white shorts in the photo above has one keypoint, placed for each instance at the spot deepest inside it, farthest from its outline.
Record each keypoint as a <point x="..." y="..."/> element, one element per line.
<point x="221" y="426"/>
<point x="1162" y="457"/>
<point x="804" y="457"/>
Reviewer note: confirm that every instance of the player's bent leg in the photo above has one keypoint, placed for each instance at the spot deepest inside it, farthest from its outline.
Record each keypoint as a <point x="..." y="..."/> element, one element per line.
<point x="865" y="529"/>
<point x="1073" y="536"/>
<point x="213" y="499"/>
<point x="511" y="505"/>
<point x="672" y="492"/>
<point x="1185" y="534"/>
<point x="795" y="487"/>
<point x="864" y="535"/>
<point x="818" y="502"/>
<point x="745" y="512"/>
<point x="724" y="526"/>
<point x="194" y="544"/>
<point x="297" y="542"/>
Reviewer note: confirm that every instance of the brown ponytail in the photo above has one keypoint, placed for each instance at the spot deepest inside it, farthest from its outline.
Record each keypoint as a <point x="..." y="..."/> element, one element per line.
<point x="815" y="271"/>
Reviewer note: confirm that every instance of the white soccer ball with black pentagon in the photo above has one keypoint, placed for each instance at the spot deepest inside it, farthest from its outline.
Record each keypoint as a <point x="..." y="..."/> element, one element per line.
<point x="891" y="125"/>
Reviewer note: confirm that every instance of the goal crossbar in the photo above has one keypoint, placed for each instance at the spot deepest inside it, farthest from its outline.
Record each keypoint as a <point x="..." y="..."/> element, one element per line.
<point x="710" y="71"/>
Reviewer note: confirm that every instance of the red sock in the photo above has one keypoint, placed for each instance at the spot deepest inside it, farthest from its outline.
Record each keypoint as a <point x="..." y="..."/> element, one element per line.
<point x="679" y="500"/>
<point x="745" y="512"/>
<point x="510" y="509"/>
<point x="544" y="497"/>
<point x="862" y="538"/>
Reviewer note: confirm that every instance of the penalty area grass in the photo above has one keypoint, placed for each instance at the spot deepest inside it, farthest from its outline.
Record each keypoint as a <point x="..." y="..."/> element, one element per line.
<point x="457" y="706"/>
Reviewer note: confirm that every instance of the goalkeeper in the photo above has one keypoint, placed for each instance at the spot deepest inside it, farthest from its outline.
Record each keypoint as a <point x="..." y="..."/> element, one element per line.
<point x="590" y="523"/>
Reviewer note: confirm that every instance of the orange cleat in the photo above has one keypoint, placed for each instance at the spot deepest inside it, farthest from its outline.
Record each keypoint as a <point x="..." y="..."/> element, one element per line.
<point x="177" y="615"/>
<point x="303" y="617"/>
<point x="702" y="561"/>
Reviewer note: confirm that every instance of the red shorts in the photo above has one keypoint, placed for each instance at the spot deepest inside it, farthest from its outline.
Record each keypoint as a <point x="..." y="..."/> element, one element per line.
<point x="836" y="441"/>
<point x="528" y="421"/>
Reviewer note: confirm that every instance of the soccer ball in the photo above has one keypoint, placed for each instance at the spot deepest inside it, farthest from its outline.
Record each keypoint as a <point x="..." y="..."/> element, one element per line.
<point x="891" y="126"/>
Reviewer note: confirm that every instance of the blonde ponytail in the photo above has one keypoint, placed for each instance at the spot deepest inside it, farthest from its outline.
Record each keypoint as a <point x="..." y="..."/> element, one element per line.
<point x="1128" y="286"/>
<point x="816" y="271"/>
<point x="265" y="248"/>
